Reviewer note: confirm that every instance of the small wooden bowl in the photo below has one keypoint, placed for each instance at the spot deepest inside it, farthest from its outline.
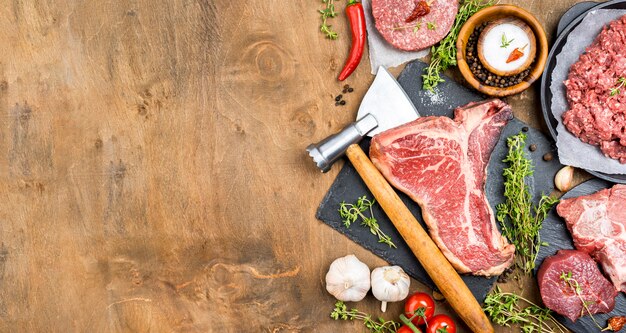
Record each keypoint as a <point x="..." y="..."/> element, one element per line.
<point x="491" y="14"/>
<point x="532" y="47"/>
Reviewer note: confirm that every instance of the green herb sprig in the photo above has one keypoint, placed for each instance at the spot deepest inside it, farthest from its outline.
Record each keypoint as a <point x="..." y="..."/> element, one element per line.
<point x="381" y="325"/>
<point x="504" y="42"/>
<point x="578" y="290"/>
<point x="505" y="309"/>
<point x="328" y="12"/>
<point x="350" y="213"/>
<point x="431" y="25"/>
<point x="444" y="54"/>
<point x="620" y="83"/>
<point x="416" y="27"/>
<point x="520" y="220"/>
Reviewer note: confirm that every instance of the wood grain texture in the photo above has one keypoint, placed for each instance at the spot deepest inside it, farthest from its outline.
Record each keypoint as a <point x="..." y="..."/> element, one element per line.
<point x="152" y="168"/>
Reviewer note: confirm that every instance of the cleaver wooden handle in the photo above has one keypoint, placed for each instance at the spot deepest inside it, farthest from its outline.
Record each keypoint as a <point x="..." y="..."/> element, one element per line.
<point x="434" y="262"/>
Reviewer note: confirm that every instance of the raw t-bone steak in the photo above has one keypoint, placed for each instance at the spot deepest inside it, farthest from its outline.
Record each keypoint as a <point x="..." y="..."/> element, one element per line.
<point x="441" y="163"/>
<point x="598" y="225"/>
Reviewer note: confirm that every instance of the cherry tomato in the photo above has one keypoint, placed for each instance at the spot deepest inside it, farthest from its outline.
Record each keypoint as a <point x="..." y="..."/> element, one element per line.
<point x="441" y="324"/>
<point x="416" y="301"/>
<point x="406" y="329"/>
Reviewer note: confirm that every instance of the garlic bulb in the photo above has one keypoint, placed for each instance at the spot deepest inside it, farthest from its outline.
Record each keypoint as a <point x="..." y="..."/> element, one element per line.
<point x="390" y="284"/>
<point x="348" y="279"/>
<point x="563" y="179"/>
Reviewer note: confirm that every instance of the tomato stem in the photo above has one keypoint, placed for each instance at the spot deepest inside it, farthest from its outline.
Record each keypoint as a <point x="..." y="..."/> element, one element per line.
<point x="406" y="321"/>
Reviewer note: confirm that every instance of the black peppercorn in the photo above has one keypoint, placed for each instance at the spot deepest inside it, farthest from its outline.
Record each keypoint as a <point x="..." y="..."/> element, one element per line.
<point x="338" y="98"/>
<point x="342" y="102"/>
<point x="547" y="157"/>
<point x="532" y="147"/>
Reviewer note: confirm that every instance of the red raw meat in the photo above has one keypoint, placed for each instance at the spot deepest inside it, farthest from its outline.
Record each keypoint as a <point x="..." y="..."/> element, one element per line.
<point x="561" y="297"/>
<point x="597" y="223"/>
<point x="391" y="17"/>
<point x="441" y="164"/>
<point x="596" y="95"/>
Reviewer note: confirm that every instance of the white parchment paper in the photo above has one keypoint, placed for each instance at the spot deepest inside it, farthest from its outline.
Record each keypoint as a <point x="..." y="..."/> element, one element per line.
<point x="572" y="151"/>
<point x="381" y="52"/>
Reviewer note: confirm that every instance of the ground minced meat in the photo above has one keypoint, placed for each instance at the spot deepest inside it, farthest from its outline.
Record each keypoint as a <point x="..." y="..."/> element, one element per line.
<point x="596" y="92"/>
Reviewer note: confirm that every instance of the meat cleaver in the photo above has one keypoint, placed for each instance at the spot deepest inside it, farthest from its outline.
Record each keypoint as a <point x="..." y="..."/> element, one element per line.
<point x="385" y="106"/>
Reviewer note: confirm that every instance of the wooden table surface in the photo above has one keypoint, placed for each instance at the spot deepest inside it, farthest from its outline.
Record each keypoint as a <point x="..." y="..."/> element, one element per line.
<point x="153" y="172"/>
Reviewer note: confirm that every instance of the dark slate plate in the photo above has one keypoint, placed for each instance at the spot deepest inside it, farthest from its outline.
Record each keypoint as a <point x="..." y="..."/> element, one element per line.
<point x="568" y="22"/>
<point x="348" y="186"/>
<point x="558" y="237"/>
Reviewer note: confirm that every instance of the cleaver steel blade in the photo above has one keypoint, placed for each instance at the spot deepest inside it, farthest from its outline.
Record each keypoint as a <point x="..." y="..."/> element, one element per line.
<point x="387" y="102"/>
<point x="384" y="106"/>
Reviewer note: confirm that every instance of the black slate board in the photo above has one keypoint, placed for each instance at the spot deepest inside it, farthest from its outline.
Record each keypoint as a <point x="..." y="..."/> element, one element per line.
<point x="555" y="233"/>
<point x="348" y="186"/>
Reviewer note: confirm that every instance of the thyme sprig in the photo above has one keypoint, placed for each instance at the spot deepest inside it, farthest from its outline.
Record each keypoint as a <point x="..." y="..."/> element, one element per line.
<point x="350" y="213"/>
<point x="521" y="221"/>
<point x="504" y="42"/>
<point x="328" y="12"/>
<point x="578" y="290"/>
<point x="381" y="325"/>
<point x="617" y="89"/>
<point x="505" y="309"/>
<point x="431" y="25"/>
<point x="444" y="54"/>
<point x="416" y="27"/>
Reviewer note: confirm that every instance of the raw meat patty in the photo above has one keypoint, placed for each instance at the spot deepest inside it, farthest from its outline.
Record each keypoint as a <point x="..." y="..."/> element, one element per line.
<point x="597" y="113"/>
<point x="441" y="164"/>
<point x="561" y="297"/>
<point x="597" y="223"/>
<point x="390" y="17"/>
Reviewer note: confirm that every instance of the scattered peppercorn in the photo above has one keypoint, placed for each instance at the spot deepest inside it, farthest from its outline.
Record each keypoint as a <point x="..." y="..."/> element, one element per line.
<point x="342" y="102"/>
<point x="532" y="147"/>
<point x="525" y="129"/>
<point x="350" y="90"/>
<point x="338" y="98"/>
<point x="547" y="157"/>
<point x="346" y="86"/>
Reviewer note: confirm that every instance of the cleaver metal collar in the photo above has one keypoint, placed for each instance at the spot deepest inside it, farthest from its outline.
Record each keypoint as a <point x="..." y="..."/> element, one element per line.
<point x="329" y="150"/>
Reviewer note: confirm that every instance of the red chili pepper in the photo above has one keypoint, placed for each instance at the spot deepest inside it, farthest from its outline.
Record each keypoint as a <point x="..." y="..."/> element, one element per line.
<point x="516" y="54"/>
<point x="422" y="8"/>
<point x="616" y="323"/>
<point x="356" y="17"/>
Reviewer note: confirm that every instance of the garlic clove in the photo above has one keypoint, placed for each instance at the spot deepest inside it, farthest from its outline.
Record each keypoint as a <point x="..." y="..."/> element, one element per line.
<point x="564" y="179"/>
<point x="348" y="279"/>
<point x="390" y="284"/>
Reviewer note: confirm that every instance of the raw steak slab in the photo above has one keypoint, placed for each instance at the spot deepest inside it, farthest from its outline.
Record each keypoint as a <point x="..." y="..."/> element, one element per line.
<point x="555" y="233"/>
<point x="441" y="164"/>
<point x="597" y="223"/>
<point x="348" y="185"/>
<point x="561" y="295"/>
